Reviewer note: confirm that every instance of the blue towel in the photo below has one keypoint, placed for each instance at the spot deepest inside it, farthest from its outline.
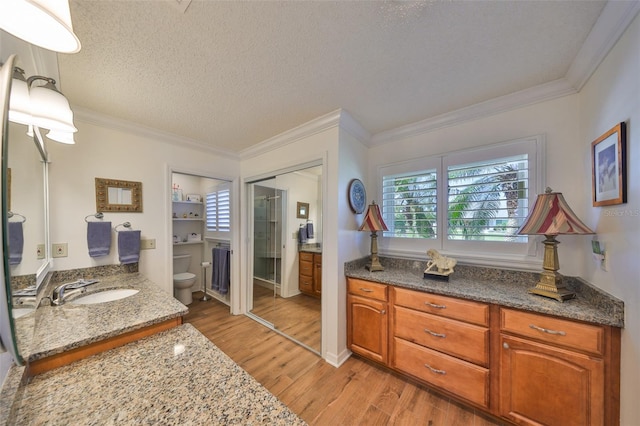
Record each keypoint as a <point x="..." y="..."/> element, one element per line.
<point x="220" y="274"/>
<point x="310" y="230"/>
<point x="99" y="238"/>
<point x="302" y="234"/>
<point x="129" y="246"/>
<point x="16" y="243"/>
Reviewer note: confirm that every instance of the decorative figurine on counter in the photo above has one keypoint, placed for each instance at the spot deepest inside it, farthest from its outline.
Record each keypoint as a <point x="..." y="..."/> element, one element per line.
<point x="443" y="266"/>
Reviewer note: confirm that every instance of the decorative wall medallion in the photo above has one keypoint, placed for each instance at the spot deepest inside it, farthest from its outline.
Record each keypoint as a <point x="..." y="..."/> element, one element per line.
<point x="357" y="196"/>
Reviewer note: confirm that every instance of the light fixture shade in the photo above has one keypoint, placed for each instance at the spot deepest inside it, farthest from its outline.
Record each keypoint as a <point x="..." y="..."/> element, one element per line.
<point x="50" y="109"/>
<point x="45" y="23"/>
<point x="373" y="219"/>
<point x="19" y="104"/>
<point x="551" y="215"/>
<point x="62" y="137"/>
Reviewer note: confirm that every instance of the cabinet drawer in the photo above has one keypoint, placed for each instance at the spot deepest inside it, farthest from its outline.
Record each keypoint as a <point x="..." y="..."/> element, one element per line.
<point x="367" y="289"/>
<point x="306" y="268"/>
<point x="466" y="380"/>
<point x="317" y="259"/>
<point x="585" y="337"/>
<point x="305" y="255"/>
<point x="450" y="307"/>
<point x="466" y="341"/>
<point x="305" y="283"/>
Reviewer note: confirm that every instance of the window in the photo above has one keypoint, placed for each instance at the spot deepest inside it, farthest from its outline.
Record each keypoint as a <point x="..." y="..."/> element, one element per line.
<point x="218" y="205"/>
<point x="465" y="201"/>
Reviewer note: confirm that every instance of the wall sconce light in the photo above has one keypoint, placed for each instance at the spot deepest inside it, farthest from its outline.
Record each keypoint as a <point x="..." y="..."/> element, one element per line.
<point x="373" y="222"/>
<point x="45" y="23"/>
<point x="42" y="106"/>
<point x="551" y="216"/>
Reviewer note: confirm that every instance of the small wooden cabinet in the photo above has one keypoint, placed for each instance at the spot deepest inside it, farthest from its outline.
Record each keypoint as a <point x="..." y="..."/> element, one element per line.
<point x="525" y="367"/>
<point x="367" y="332"/>
<point x="554" y="371"/>
<point x="310" y="273"/>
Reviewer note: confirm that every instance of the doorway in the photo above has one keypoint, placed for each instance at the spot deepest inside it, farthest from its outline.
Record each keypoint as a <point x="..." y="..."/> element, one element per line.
<point x="276" y="296"/>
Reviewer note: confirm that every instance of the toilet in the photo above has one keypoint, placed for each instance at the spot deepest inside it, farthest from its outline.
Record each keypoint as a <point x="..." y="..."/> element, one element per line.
<point x="182" y="280"/>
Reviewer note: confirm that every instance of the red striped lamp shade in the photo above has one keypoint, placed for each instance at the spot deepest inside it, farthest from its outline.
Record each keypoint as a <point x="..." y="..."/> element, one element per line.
<point x="551" y="215"/>
<point x="373" y="219"/>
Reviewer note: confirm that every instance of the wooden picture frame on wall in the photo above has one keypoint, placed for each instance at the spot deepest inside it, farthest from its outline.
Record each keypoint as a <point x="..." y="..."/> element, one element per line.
<point x="302" y="210"/>
<point x="118" y="196"/>
<point x="608" y="167"/>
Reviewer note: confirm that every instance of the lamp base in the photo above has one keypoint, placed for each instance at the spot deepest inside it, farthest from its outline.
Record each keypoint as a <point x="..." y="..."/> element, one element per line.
<point x="374" y="265"/>
<point x="551" y="285"/>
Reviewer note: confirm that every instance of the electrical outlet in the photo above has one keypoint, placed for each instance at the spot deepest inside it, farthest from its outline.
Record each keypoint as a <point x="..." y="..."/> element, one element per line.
<point x="148" y="244"/>
<point x="40" y="251"/>
<point x="59" y="250"/>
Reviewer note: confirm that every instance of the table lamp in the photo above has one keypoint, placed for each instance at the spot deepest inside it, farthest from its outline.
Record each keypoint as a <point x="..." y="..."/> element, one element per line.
<point x="551" y="216"/>
<point x="373" y="222"/>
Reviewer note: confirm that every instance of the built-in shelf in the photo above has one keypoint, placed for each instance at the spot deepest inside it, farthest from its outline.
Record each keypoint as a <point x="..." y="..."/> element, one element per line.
<point x="195" y="203"/>
<point x="186" y="219"/>
<point x="188" y="243"/>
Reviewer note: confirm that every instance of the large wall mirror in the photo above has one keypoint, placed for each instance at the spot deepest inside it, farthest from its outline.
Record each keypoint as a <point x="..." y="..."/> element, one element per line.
<point x="26" y="257"/>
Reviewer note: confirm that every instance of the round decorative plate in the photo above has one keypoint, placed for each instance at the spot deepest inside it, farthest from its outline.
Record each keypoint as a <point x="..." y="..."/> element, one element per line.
<point x="357" y="196"/>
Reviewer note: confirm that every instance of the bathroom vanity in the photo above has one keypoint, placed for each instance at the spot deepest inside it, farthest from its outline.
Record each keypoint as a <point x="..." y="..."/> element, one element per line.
<point x="146" y="366"/>
<point x="482" y="339"/>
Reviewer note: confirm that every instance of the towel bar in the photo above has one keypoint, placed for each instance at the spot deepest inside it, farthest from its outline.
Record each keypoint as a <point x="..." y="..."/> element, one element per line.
<point x="98" y="215"/>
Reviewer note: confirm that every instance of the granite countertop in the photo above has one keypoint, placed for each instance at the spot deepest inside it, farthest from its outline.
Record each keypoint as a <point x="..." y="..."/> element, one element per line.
<point x="502" y="287"/>
<point x="180" y="377"/>
<point x="61" y="328"/>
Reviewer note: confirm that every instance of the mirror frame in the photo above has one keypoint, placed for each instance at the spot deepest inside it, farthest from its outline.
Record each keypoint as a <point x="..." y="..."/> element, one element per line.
<point x="102" y="195"/>
<point x="302" y="210"/>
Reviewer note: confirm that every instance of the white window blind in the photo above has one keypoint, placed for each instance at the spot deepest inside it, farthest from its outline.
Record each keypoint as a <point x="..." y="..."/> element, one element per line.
<point x="218" y="209"/>
<point x="409" y="204"/>
<point x="488" y="200"/>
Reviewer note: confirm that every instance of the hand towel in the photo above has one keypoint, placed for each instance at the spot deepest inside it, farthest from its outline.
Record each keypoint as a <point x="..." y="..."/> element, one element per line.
<point x="302" y="234"/>
<point x="99" y="238"/>
<point x="129" y="246"/>
<point x="16" y="242"/>
<point x="310" y="230"/>
<point x="220" y="271"/>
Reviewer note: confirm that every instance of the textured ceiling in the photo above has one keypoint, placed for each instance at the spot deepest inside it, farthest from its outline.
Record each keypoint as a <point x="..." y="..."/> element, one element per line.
<point x="233" y="74"/>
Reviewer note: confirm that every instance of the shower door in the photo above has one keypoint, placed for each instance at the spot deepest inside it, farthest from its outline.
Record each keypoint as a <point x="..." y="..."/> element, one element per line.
<point x="267" y="248"/>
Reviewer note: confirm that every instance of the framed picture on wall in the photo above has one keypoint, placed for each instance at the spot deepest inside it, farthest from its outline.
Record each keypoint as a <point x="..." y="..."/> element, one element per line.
<point x="608" y="167"/>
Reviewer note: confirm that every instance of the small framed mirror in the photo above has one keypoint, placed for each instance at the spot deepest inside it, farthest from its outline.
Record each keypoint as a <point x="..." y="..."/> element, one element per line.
<point x="302" y="210"/>
<point x="118" y="196"/>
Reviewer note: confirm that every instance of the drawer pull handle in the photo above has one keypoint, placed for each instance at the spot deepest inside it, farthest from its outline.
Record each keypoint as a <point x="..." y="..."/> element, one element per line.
<point x="383" y="312"/>
<point x="366" y="290"/>
<point x="433" y="305"/>
<point x="546" y="330"/>
<point x="435" y="370"/>
<point x="434" y="334"/>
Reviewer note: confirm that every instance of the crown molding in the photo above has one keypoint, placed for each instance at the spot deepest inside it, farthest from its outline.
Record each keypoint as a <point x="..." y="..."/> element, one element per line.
<point x="611" y="24"/>
<point x="305" y="130"/>
<point x="92" y="117"/>
<point x="541" y="93"/>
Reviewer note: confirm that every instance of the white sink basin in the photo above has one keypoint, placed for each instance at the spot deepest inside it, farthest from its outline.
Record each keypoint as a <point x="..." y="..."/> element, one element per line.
<point x="103" y="296"/>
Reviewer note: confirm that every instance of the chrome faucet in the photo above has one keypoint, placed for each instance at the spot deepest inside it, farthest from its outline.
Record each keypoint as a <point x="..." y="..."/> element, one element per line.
<point x="60" y="293"/>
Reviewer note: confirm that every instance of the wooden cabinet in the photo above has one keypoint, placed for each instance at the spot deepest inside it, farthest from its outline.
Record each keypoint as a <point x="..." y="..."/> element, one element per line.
<point x="437" y="339"/>
<point x="367" y="332"/>
<point x="310" y="273"/>
<point x="554" y="371"/>
<point x="525" y="367"/>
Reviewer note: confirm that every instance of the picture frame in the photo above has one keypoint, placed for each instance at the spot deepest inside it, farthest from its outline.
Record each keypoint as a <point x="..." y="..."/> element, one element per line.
<point x="608" y="167"/>
<point x="194" y="198"/>
<point x="114" y="195"/>
<point x="302" y="210"/>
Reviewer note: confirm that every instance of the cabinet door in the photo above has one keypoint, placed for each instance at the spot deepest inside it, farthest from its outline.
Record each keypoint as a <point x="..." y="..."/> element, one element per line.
<point x="317" y="274"/>
<point x="541" y="384"/>
<point x="367" y="327"/>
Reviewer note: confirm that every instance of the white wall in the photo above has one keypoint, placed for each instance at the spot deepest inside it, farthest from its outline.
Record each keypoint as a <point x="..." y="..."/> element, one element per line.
<point x="113" y="154"/>
<point x="556" y="119"/>
<point x="612" y="95"/>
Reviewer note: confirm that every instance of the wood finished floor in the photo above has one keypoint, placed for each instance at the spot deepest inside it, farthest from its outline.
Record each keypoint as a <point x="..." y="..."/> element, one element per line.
<point x="297" y="316"/>
<point x="357" y="393"/>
